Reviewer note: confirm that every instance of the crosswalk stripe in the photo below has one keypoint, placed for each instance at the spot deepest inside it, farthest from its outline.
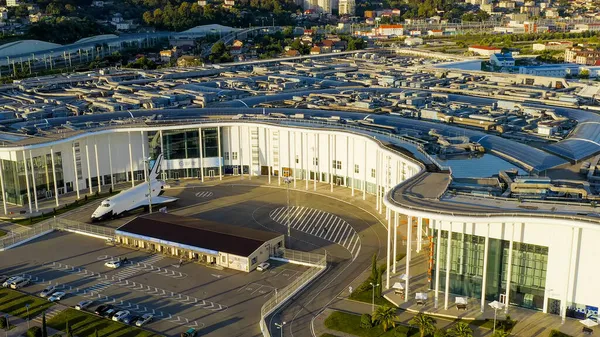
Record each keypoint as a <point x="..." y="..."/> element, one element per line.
<point x="355" y="245"/>
<point x="349" y="242"/>
<point x="312" y="221"/>
<point x="296" y="220"/>
<point x="345" y="237"/>
<point x="334" y="226"/>
<point x="343" y="229"/>
<point x="276" y="213"/>
<point x="319" y="224"/>
<point x="309" y="219"/>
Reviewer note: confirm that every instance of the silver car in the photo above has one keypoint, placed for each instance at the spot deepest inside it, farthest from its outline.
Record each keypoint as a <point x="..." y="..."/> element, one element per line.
<point x="145" y="319"/>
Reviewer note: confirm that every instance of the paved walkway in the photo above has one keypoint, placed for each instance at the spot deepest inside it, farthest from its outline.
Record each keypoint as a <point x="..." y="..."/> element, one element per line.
<point x="22" y="326"/>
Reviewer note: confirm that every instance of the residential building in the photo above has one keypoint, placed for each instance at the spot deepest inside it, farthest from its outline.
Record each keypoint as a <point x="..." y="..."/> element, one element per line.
<point x="502" y="60"/>
<point x="413" y="41"/>
<point x="347" y="7"/>
<point x="12" y="3"/>
<point x="552" y="45"/>
<point x="316" y="50"/>
<point x="484" y="50"/>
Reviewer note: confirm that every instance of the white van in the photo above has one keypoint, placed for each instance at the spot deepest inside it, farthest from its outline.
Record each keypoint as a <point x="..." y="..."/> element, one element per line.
<point x="22" y="282"/>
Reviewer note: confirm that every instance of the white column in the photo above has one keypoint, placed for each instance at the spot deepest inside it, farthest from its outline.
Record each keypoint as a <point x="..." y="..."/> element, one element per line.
<point x="438" y="226"/>
<point x="396" y="215"/>
<point x="54" y="176"/>
<point x="305" y="165"/>
<point x="569" y="286"/>
<point x="315" y="155"/>
<point x="75" y="167"/>
<point x="388" y="253"/>
<point x="419" y="234"/>
<point x="448" y="259"/>
<point x="219" y="154"/>
<point x="162" y="150"/>
<point x="509" y="271"/>
<point x="250" y="163"/>
<point x="294" y="159"/>
<point x="98" y="164"/>
<point x="364" y="182"/>
<point x="143" y="157"/>
<point x="241" y="157"/>
<point x="408" y="255"/>
<point x="130" y="161"/>
<point x="279" y="158"/>
<point x="377" y="174"/>
<point x="200" y="145"/>
<point x="27" y="181"/>
<point x="2" y="188"/>
<point x="486" y="248"/>
<point x="268" y="153"/>
<point x="329" y="163"/>
<point x="112" y="177"/>
<point x="33" y="182"/>
<point x="89" y="170"/>
<point x="353" y="166"/>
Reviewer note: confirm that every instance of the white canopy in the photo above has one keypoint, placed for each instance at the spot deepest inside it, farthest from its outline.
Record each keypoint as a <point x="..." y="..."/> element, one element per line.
<point x="461" y="300"/>
<point x="398" y="285"/>
<point x="497" y="305"/>
<point x="421" y="296"/>
<point x="588" y="322"/>
<point x="404" y="277"/>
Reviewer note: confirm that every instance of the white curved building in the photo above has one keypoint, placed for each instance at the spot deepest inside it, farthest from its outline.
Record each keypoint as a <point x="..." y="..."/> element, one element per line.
<point x="541" y="258"/>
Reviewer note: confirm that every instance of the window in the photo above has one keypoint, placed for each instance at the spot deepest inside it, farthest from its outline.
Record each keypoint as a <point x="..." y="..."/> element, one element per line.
<point x="297" y="159"/>
<point x="226" y="155"/>
<point x="315" y="161"/>
<point x="223" y="259"/>
<point x="253" y="260"/>
<point x="356" y="170"/>
<point x="372" y="173"/>
<point x="234" y="155"/>
<point x="336" y="164"/>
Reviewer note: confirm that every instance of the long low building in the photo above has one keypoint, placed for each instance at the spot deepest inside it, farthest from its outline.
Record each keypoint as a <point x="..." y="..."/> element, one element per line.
<point x="202" y="241"/>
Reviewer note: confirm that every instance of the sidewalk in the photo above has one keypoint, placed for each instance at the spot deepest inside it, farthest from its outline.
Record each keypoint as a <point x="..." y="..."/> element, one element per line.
<point x="19" y="325"/>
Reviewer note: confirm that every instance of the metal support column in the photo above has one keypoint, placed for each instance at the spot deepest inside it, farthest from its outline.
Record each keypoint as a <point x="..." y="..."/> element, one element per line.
<point x="33" y="182"/>
<point x="75" y="168"/>
<point x="27" y="181"/>
<point x="448" y="259"/>
<point x="438" y="226"/>
<point x="200" y="146"/>
<point x="219" y="154"/>
<point x="396" y="216"/>
<point x="388" y="253"/>
<point x="419" y="234"/>
<point x="98" y="164"/>
<point x="408" y="256"/>
<point x="112" y="177"/>
<point x="509" y="271"/>
<point x="130" y="161"/>
<point x="486" y="248"/>
<point x="2" y="188"/>
<point x="143" y="156"/>
<point x="54" y="176"/>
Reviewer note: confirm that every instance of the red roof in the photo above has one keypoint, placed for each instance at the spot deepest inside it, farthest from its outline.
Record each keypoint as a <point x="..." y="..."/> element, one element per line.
<point x="485" y="47"/>
<point x="390" y="26"/>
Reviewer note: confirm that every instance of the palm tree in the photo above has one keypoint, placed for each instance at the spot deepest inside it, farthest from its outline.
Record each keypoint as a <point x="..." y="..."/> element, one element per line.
<point x="386" y="316"/>
<point x="461" y="330"/>
<point x="426" y="324"/>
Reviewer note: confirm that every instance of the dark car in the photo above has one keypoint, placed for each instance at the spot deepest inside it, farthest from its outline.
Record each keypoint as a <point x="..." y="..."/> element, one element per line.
<point x="102" y="308"/>
<point x="3" y="278"/>
<point x="131" y="319"/>
<point x="109" y="313"/>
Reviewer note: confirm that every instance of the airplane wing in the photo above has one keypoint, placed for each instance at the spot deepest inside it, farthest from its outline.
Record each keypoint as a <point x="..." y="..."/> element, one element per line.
<point x="163" y="200"/>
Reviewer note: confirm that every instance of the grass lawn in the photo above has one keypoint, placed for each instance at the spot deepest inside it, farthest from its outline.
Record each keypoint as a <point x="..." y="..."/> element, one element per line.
<point x="84" y="324"/>
<point x="2" y="233"/>
<point x="13" y="303"/>
<point x="350" y="323"/>
<point x="364" y="292"/>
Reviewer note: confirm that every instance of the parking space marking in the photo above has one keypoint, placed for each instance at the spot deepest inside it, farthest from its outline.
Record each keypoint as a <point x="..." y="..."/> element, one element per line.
<point x="124" y="283"/>
<point x="138" y="308"/>
<point x="146" y="265"/>
<point x="324" y="225"/>
<point x="253" y="288"/>
<point x="204" y="194"/>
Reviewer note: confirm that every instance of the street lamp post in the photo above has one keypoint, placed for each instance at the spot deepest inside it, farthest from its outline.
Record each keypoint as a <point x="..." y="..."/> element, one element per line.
<point x="288" y="181"/>
<point x="496" y="306"/>
<point x="27" y="306"/>
<point x="373" y="302"/>
<point x="280" y="327"/>
<point x="147" y="162"/>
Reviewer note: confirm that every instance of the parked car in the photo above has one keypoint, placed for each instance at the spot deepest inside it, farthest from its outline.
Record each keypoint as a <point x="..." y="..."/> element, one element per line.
<point x="263" y="266"/>
<point x="48" y="291"/>
<point x="120" y="315"/>
<point x="145" y="319"/>
<point x="131" y="319"/>
<point x="8" y="281"/>
<point x="113" y="264"/>
<point x="19" y="283"/>
<point x="57" y="296"/>
<point x="109" y="313"/>
<point x="191" y="332"/>
<point x="83" y="304"/>
<point x="102" y="308"/>
<point x="3" y="278"/>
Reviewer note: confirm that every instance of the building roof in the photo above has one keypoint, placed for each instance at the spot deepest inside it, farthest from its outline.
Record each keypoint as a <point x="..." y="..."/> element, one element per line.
<point x="485" y="47"/>
<point x="390" y="26"/>
<point x="198" y="233"/>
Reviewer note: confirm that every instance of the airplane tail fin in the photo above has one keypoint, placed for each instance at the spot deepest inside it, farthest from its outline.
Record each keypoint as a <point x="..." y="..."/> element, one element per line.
<point x="156" y="167"/>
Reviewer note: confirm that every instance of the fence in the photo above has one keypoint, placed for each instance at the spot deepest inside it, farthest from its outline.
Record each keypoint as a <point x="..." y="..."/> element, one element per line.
<point x="16" y="238"/>
<point x="282" y="295"/>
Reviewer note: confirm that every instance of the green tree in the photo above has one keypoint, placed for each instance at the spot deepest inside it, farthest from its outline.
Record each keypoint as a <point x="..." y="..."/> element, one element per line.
<point x="374" y="267"/>
<point x="426" y="324"/>
<point x="44" y="327"/>
<point x="461" y="330"/>
<point x="584" y="74"/>
<point x="366" y="321"/>
<point x="34" y="331"/>
<point x="386" y="316"/>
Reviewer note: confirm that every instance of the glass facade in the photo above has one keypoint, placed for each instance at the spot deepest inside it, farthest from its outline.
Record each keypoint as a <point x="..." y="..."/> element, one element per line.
<point x="15" y="185"/>
<point x="529" y="263"/>
<point x="181" y="144"/>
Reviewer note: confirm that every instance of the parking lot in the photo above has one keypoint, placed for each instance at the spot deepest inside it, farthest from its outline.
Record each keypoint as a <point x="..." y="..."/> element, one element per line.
<point x="216" y="302"/>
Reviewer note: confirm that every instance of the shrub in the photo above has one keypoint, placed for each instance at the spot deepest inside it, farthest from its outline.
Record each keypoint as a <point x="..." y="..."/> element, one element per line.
<point x="366" y="321"/>
<point x="403" y="331"/>
<point x="440" y="333"/>
<point x="34" y="331"/>
<point x="556" y="333"/>
<point x="3" y="322"/>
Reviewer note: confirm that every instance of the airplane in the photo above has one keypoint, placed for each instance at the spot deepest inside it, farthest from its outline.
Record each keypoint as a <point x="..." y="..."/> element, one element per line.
<point x="134" y="197"/>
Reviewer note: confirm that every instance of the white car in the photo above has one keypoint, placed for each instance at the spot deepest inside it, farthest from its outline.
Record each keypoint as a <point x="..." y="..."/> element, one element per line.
<point x="57" y="296"/>
<point x="83" y="304"/>
<point x="48" y="291"/>
<point x="120" y="315"/>
<point x="113" y="264"/>
<point x="263" y="266"/>
<point x="144" y="319"/>
<point x="10" y="280"/>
